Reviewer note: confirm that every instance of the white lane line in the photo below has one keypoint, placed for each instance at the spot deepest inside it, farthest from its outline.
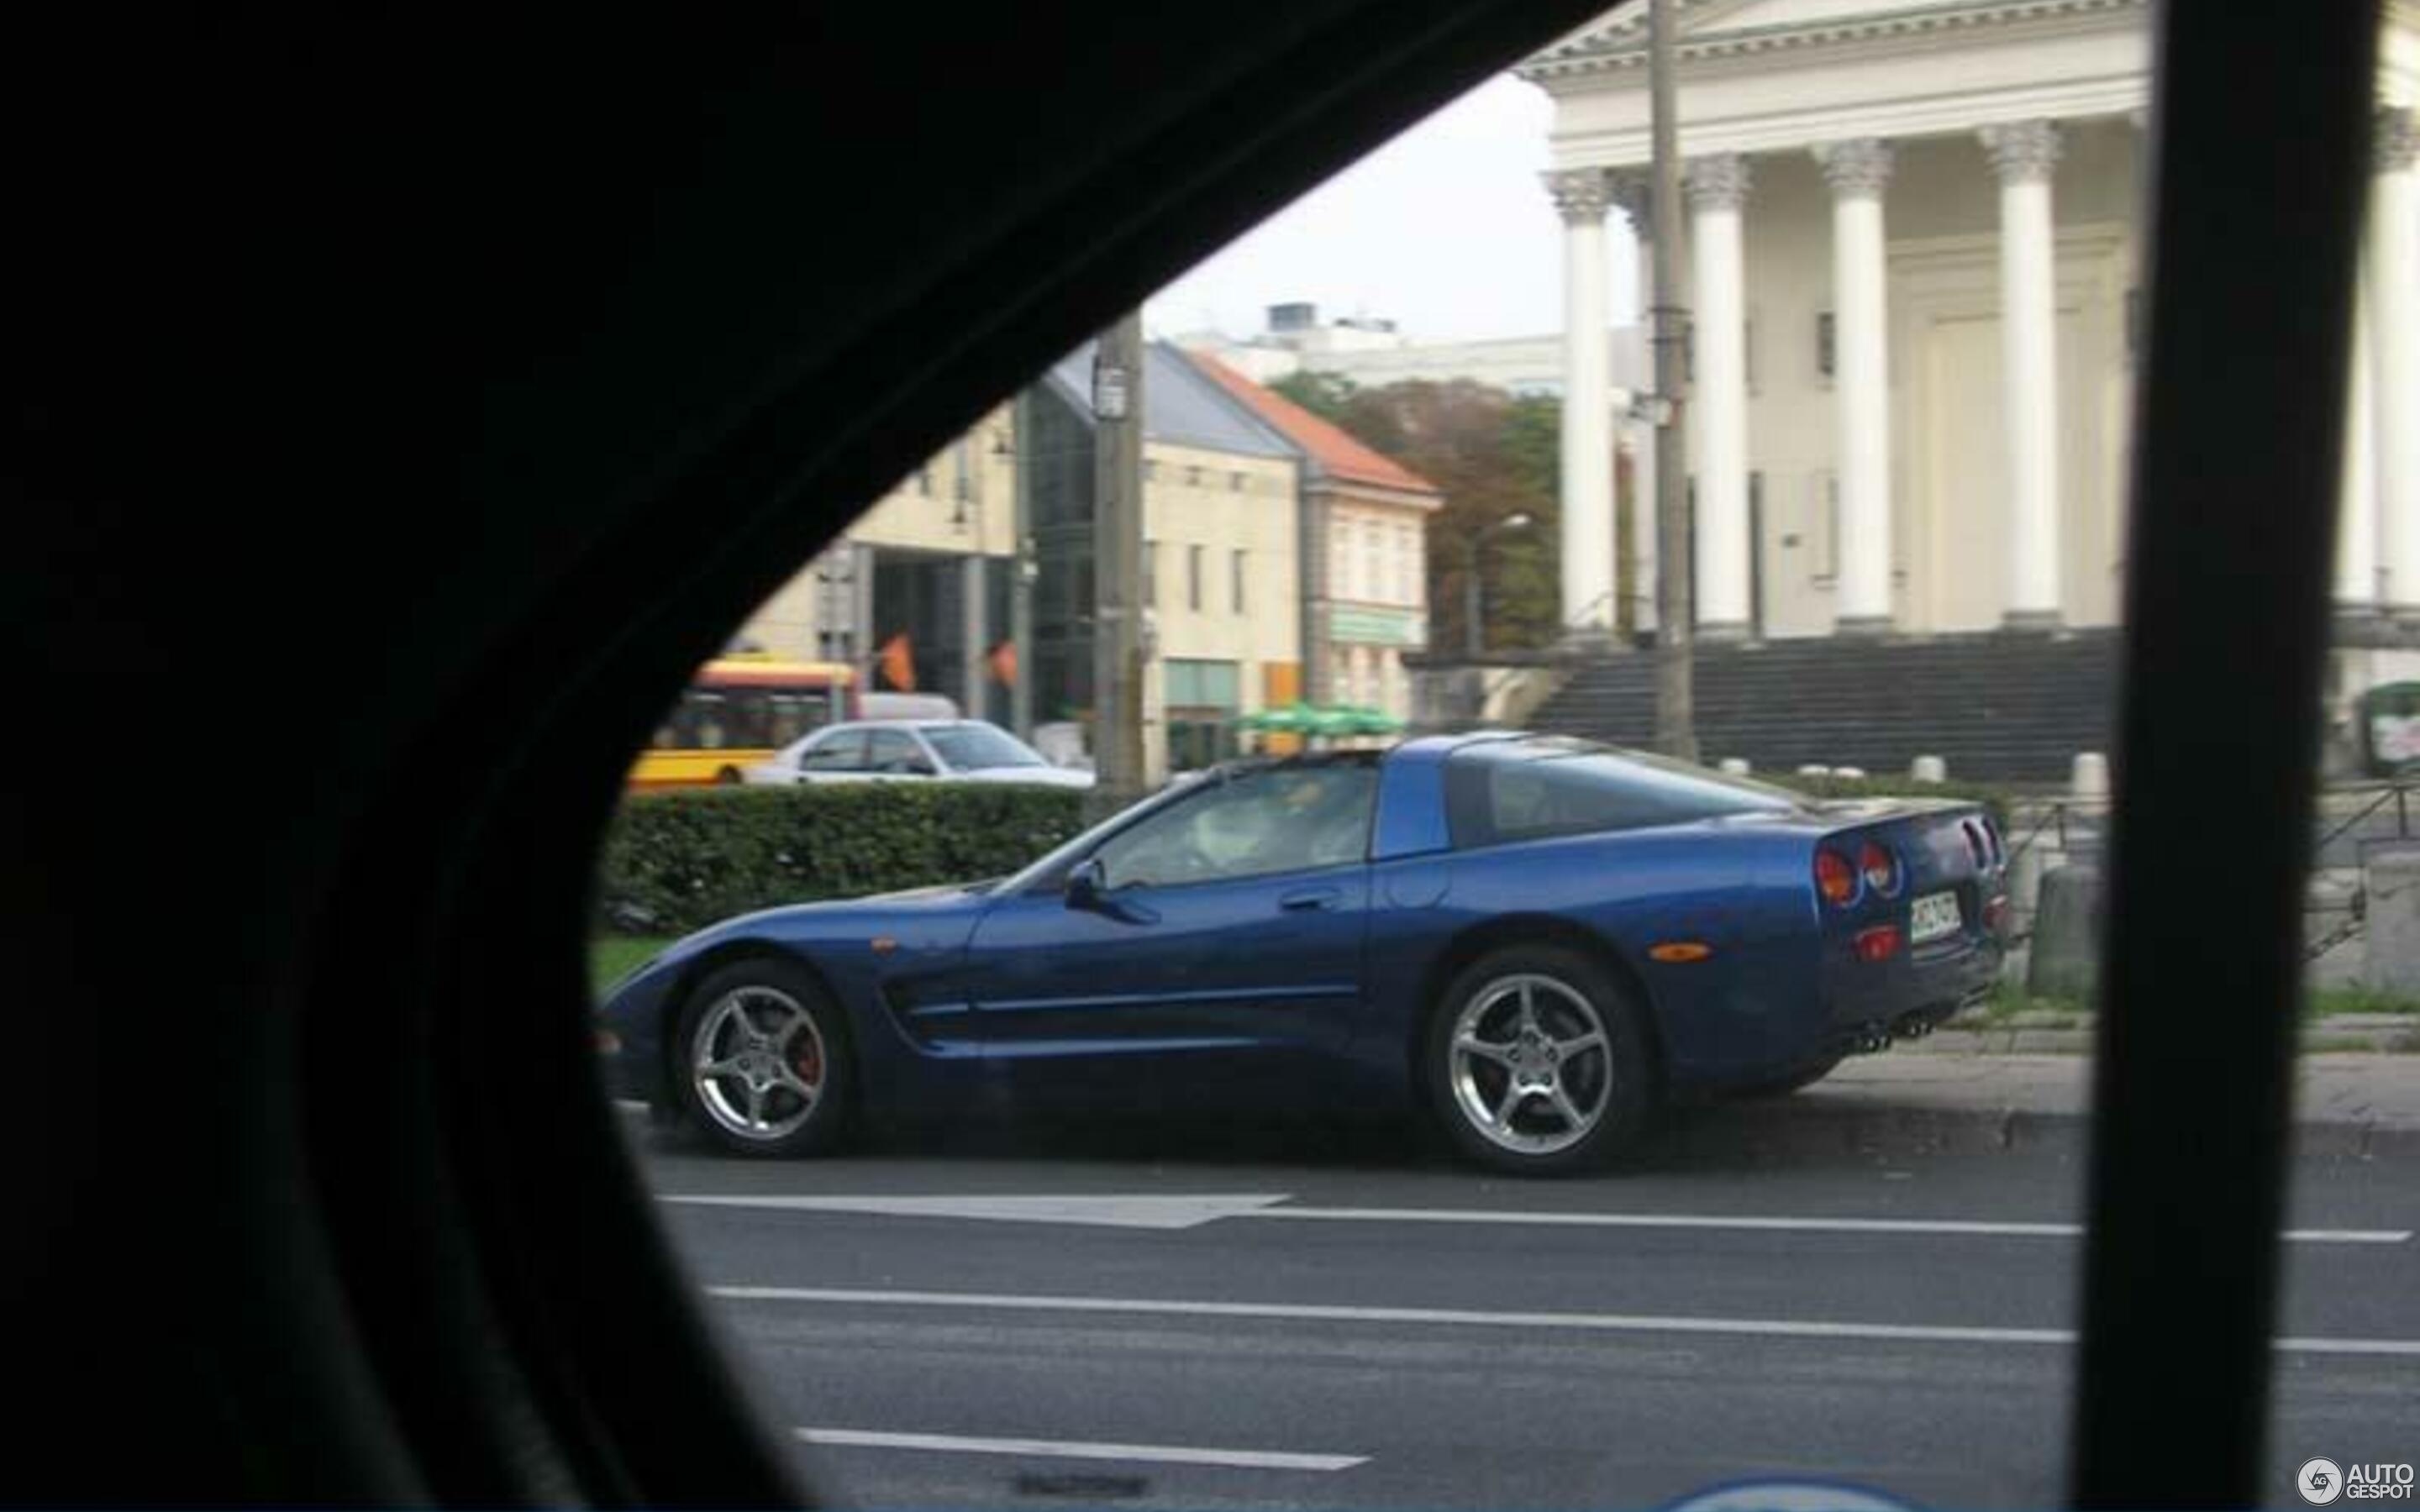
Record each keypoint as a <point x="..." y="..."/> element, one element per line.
<point x="1157" y="1454"/>
<point x="1818" y="1226"/>
<point x="1600" y="1322"/>
<point x="1194" y="1209"/>
<point x="1113" y="1211"/>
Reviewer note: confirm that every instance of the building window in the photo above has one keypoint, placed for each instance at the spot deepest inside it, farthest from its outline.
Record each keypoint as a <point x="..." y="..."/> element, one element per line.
<point x="1151" y="574"/>
<point x="1193" y="476"/>
<point x="1200" y="702"/>
<point x="1824" y="528"/>
<point x="1193" y="555"/>
<point x="1371" y="584"/>
<point x="924" y="480"/>
<point x="1236" y="580"/>
<point x="1826" y="352"/>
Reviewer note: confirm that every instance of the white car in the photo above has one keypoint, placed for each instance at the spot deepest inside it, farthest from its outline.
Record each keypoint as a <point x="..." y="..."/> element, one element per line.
<point x="870" y="750"/>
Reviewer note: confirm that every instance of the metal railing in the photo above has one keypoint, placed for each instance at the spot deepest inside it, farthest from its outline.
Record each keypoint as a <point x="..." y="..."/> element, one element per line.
<point x="2366" y="817"/>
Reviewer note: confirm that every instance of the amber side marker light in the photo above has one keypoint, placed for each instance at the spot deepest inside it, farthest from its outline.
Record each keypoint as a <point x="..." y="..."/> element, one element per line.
<point x="1678" y="952"/>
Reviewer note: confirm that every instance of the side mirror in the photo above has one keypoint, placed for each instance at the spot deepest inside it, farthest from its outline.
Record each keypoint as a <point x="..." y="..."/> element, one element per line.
<point x="1087" y="883"/>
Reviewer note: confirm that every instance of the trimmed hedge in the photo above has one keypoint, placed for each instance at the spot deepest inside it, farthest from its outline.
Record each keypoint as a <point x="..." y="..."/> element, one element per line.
<point x="677" y="861"/>
<point x="1994" y="799"/>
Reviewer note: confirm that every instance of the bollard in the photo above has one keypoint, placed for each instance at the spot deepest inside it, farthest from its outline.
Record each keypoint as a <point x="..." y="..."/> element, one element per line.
<point x="2066" y="954"/>
<point x="1812" y="770"/>
<point x="2089" y="776"/>
<point x="1852" y="773"/>
<point x="1929" y="769"/>
<point x="2391" y="918"/>
<point x="1733" y="766"/>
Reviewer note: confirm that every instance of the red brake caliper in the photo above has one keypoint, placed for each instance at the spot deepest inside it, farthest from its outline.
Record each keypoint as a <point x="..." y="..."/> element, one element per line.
<point x="810" y="1064"/>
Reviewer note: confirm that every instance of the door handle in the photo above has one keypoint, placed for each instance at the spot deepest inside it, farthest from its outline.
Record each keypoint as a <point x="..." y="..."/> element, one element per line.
<point x="1310" y="899"/>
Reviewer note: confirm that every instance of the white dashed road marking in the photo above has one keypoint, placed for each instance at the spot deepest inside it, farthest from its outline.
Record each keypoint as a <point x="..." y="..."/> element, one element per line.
<point x="1155" y="1453"/>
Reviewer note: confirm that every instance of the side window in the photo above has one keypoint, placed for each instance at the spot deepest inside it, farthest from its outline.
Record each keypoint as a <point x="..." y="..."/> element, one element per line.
<point x="1526" y="795"/>
<point x="895" y="752"/>
<point x="841" y="752"/>
<point x="1290" y="819"/>
<point x="705" y="720"/>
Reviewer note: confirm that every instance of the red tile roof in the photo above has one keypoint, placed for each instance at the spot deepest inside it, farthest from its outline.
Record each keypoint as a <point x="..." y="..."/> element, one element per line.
<point x="1330" y="446"/>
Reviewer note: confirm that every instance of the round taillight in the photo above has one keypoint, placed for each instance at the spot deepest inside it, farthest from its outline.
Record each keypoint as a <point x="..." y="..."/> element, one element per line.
<point x="1879" y="870"/>
<point x="1833" y="878"/>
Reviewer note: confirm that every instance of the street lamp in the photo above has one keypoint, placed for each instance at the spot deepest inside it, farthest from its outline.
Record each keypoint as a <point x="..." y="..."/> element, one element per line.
<point x="1471" y="605"/>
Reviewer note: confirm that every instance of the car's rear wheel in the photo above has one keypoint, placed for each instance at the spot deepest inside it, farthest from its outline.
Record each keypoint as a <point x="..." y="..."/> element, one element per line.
<point x="762" y="1060"/>
<point x="1539" y="1062"/>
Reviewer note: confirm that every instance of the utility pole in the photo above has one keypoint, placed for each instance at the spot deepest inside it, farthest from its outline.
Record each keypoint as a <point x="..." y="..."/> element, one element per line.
<point x="1676" y="711"/>
<point x="1022" y="567"/>
<point x="1117" y="566"/>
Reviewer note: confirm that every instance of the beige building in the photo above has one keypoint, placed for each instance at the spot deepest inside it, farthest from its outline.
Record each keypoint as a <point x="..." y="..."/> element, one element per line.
<point x="1364" y="520"/>
<point x="925" y="569"/>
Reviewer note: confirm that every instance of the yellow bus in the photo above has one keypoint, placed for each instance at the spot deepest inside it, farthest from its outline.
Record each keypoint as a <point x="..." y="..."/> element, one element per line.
<point x="736" y="712"/>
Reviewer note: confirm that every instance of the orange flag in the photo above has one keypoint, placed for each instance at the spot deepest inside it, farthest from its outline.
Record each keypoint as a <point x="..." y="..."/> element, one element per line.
<point x="899" y="663"/>
<point x="1004" y="663"/>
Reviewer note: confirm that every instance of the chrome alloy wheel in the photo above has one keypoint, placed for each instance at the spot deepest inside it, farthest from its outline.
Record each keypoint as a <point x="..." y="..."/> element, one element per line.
<point x="1531" y="1068"/>
<point x="758" y="1062"/>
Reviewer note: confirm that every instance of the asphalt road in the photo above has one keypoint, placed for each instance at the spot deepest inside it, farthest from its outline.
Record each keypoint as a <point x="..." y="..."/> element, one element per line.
<point x="1171" y="1317"/>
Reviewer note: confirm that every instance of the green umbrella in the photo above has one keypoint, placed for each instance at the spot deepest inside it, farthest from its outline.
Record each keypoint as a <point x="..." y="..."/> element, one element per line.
<point x="1369" y="721"/>
<point x="1331" y="719"/>
<point x="1292" y="720"/>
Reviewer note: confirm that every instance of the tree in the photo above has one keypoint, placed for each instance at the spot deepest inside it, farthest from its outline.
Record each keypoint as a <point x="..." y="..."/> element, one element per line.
<point x="1324" y="394"/>
<point x="1493" y="456"/>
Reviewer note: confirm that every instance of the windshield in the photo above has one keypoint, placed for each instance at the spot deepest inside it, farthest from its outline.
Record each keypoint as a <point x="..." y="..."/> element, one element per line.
<point x="976" y="747"/>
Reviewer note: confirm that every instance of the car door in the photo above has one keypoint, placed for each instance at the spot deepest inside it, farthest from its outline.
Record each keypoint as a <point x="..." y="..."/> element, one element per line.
<point x="1225" y="936"/>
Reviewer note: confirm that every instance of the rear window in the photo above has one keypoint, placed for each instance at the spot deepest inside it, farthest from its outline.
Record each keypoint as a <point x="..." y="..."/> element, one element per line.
<point x="1531" y="789"/>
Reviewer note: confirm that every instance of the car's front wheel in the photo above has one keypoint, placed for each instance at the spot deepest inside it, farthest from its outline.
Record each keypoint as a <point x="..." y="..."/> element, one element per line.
<point x="1539" y="1062"/>
<point x="764" y="1064"/>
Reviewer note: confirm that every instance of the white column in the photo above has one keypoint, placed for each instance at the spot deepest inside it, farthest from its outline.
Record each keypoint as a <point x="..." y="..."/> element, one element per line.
<point x="1717" y="187"/>
<point x="1857" y="172"/>
<point x="2023" y="153"/>
<point x="1632" y="193"/>
<point x="2395" y="350"/>
<point x="2356" y="585"/>
<point x="1580" y="195"/>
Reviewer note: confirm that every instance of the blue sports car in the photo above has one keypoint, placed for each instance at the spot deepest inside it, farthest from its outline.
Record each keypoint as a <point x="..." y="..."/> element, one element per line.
<point x="1535" y="940"/>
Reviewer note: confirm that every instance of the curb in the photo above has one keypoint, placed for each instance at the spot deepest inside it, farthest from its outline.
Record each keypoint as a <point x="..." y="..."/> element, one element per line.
<point x="1817" y="1130"/>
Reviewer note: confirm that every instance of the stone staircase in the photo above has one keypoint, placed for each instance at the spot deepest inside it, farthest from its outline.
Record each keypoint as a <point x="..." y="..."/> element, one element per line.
<point x="1997" y="707"/>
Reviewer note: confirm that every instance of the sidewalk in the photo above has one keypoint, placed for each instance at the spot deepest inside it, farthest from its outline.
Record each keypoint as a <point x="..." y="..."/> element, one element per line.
<point x="2354" y="1106"/>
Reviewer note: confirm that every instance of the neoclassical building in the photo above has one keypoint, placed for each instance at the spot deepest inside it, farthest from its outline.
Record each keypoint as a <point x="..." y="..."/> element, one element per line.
<point x="1913" y="239"/>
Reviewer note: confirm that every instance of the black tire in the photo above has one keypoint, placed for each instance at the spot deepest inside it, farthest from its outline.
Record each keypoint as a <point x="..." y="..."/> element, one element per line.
<point x="1617" y="1091"/>
<point x="1783" y="1086"/>
<point x="800" y="1035"/>
<point x="727" y="778"/>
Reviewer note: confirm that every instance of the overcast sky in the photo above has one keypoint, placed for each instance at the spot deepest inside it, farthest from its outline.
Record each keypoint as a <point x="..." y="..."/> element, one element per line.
<point x="1445" y="230"/>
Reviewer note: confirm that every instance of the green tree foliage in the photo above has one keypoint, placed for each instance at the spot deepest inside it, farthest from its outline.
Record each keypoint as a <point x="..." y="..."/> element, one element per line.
<point x="1324" y="394"/>
<point x="1493" y="455"/>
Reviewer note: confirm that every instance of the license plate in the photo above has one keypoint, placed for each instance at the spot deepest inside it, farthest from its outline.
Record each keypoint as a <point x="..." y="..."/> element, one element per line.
<point x="1931" y="917"/>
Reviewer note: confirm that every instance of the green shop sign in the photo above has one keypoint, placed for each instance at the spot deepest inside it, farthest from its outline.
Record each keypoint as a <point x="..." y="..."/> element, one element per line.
<point x="1379" y="626"/>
